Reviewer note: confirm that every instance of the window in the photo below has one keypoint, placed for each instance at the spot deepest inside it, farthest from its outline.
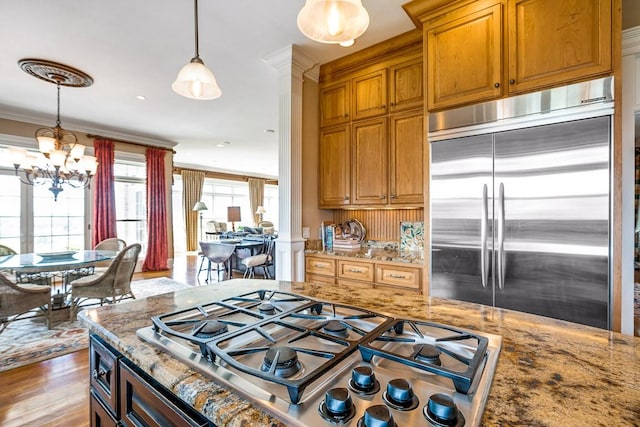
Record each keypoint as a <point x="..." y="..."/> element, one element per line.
<point x="58" y="225"/>
<point x="270" y="204"/>
<point x="131" y="201"/>
<point x="10" y="199"/>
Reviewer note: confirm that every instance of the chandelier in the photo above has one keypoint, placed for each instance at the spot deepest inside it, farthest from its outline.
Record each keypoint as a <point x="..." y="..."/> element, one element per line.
<point x="61" y="159"/>
<point x="195" y="80"/>
<point x="333" y="21"/>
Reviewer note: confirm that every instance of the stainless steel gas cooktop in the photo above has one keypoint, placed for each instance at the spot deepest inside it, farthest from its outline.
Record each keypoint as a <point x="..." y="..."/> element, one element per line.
<point x="317" y="363"/>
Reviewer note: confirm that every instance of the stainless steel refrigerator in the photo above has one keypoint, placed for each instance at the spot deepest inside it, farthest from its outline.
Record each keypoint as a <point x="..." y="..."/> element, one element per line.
<point x="520" y="203"/>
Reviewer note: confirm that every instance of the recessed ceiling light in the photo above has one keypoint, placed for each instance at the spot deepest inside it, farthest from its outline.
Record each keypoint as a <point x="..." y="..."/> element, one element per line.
<point x="141" y="97"/>
<point x="269" y="131"/>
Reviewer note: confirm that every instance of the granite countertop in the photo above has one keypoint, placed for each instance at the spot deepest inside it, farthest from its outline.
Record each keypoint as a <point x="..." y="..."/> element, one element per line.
<point x="549" y="373"/>
<point x="376" y="254"/>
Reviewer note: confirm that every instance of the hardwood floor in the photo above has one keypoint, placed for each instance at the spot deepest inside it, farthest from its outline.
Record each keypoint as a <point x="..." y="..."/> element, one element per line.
<point x="56" y="392"/>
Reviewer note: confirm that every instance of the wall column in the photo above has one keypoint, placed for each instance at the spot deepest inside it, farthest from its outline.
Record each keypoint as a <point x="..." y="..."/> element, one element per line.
<point x="291" y="65"/>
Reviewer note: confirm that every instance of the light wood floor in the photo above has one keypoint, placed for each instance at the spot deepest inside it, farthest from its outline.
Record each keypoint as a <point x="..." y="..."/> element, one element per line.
<point x="56" y="392"/>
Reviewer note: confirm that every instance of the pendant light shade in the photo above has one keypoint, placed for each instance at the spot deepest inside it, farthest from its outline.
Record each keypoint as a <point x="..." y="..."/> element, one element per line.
<point x="195" y="80"/>
<point x="333" y="21"/>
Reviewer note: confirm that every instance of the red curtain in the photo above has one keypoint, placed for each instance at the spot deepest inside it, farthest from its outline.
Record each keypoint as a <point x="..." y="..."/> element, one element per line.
<point x="104" y="196"/>
<point x="157" y="247"/>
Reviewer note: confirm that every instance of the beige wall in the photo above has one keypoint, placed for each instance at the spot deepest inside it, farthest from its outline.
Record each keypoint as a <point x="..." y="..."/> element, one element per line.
<point x="630" y="13"/>
<point x="312" y="216"/>
<point x="23" y="129"/>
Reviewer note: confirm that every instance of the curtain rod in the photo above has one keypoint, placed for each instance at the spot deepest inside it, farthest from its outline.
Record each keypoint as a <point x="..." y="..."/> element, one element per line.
<point x="89" y="135"/>
<point x="214" y="174"/>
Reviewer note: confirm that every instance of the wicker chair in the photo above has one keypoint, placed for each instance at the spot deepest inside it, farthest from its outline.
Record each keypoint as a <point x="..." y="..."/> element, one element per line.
<point x="111" y="286"/>
<point x="110" y="244"/>
<point x="17" y="300"/>
<point x="6" y="250"/>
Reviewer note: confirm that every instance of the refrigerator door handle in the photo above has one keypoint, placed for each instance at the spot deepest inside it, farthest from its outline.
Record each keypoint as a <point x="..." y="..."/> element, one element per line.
<point x="484" y="255"/>
<point x="501" y="231"/>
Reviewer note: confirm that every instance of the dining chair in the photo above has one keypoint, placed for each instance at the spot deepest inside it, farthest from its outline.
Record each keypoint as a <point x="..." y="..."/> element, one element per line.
<point x="110" y="244"/>
<point x="264" y="259"/>
<point x="109" y="287"/>
<point x="19" y="299"/>
<point x="216" y="253"/>
<point x="6" y="250"/>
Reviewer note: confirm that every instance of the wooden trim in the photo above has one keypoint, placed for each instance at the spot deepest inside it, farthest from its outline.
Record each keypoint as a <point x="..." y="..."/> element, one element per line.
<point x="137" y="144"/>
<point x="223" y="175"/>
<point x="397" y="46"/>
<point x="421" y="10"/>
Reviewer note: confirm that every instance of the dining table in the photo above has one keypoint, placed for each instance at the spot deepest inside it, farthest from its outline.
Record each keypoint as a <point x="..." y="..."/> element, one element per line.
<point x="56" y="269"/>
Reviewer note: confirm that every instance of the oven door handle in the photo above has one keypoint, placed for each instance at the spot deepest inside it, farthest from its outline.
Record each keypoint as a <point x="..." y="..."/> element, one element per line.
<point x="484" y="226"/>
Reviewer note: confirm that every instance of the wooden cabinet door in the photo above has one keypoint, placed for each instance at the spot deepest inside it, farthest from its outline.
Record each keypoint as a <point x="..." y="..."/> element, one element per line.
<point x="103" y="366"/>
<point x="406" y="159"/>
<point x="369" y="95"/>
<point x="335" y="100"/>
<point x="369" y="165"/>
<point x="405" y="85"/>
<point x="553" y="42"/>
<point x="334" y="178"/>
<point x="464" y="56"/>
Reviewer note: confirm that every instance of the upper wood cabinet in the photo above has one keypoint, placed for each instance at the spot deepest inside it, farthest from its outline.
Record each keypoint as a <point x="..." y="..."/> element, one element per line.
<point x="335" y="166"/>
<point x="405" y="85"/>
<point x="464" y="56"/>
<point x="485" y="49"/>
<point x="369" y="164"/>
<point x="552" y="42"/>
<point x="335" y="103"/>
<point x="369" y="95"/>
<point x="406" y="158"/>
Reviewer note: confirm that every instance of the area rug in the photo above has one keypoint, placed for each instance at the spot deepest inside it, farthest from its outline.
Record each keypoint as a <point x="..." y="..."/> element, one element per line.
<point x="30" y="341"/>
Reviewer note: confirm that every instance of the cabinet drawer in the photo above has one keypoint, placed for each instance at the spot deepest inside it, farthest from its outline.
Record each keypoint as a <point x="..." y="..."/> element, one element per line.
<point x="355" y="284"/>
<point x="406" y="277"/>
<point x="315" y="278"/>
<point x="142" y="405"/>
<point x="323" y="266"/>
<point x="100" y="416"/>
<point x="355" y="270"/>
<point x="104" y="375"/>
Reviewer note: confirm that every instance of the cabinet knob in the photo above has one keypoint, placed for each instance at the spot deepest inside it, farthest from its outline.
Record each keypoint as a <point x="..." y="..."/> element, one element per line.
<point x="512" y="81"/>
<point x="393" y="196"/>
<point x="496" y="85"/>
<point x="392" y="104"/>
<point x="346" y="197"/>
<point x="98" y="373"/>
<point x="383" y="197"/>
<point x="383" y="106"/>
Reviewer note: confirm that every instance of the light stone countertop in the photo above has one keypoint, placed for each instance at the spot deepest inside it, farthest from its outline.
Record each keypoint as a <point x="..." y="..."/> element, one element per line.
<point x="549" y="373"/>
<point x="375" y="254"/>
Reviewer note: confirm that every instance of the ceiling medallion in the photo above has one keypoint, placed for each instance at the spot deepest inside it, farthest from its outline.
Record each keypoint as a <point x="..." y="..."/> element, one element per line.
<point x="55" y="73"/>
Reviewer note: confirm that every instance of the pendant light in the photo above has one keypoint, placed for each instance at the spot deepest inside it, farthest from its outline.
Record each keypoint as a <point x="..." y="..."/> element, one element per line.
<point x="333" y="21"/>
<point x="195" y="80"/>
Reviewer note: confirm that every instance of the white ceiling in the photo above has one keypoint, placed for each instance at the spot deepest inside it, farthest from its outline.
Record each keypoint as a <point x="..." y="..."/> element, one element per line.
<point x="136" y="47"/>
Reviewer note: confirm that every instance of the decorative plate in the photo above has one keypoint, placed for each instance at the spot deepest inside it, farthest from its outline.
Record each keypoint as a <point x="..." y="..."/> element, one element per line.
<point x="353" y="229"/>
<point x="57" y="255"/>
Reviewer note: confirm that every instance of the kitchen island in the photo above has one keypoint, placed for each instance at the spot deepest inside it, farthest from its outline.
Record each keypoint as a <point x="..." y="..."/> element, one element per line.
<point x="549" y="372"/>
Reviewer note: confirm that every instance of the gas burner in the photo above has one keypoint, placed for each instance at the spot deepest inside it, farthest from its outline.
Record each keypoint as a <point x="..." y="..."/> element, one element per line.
<point x="428" y="353"/>
<point x="286" y="362"/>
<point x="336" y="329"/>
<point x="441" y="411"/>
<point x="267" y="308"/>
<point x="363" y="381"/>
<point x="400" y="395"/>
<point x="337" y="406"/>
<point x="209" y="329"/>
<point x="377" y="416"/>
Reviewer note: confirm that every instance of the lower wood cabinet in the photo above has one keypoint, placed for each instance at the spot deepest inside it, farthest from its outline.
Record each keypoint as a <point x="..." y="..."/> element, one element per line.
<point x="123" y="395"/>
<point x="358" y="273"/>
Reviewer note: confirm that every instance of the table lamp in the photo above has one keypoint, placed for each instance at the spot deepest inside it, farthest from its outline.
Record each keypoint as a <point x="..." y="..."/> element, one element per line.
<point x="260" y="211"/>
<point x="233" y="215"/>
<point x="199" y="207"/>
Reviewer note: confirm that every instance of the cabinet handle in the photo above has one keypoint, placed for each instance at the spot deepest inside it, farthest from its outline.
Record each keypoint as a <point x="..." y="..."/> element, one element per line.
<point x="383" y="197"/>
<point x="393" y="104"/>
<point x="397" y="276"/>
<point x="98" y="373"/>
<point x="512" y="81"/>
<point x="346" y="197"/>
<point x="393" y="196"/>
<point x="346" y="115"/>
<point x="496" y="85"/>
<point x="319" y="266"/>
<point x="351" y="270"/>
<point x="383" y="106"/>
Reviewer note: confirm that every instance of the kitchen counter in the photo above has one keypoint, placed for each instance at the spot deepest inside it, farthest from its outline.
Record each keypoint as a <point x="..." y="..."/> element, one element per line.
<point x="375" y="254"/>
<point x="549" y="373"/>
